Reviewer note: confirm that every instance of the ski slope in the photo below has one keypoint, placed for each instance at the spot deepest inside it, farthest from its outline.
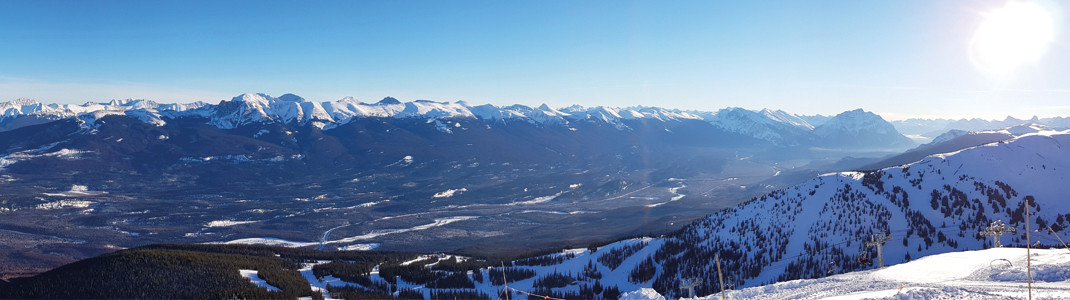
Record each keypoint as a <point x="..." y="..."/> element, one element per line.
<point x="997" y="273"/>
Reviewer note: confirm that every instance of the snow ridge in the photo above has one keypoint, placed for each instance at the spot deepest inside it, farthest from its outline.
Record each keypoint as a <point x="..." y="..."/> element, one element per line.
<point x="779" y="127"/>
<point x="289" y="108"/>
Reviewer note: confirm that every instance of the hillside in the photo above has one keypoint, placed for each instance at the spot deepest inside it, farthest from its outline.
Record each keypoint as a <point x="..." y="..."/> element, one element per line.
<point x="939" y="204"/>
<point x="978" y="274"/>
<point x="813" y="230"/>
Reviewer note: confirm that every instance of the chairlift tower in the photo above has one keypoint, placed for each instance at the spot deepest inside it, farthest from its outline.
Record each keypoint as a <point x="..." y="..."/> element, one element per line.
<point x="996" y="230"/>
<point x="878" y="240"/>
<point x="690" y="285"/>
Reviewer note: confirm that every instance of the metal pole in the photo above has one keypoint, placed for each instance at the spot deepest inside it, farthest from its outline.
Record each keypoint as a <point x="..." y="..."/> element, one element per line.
<point x="880" y="256"/>
<point x="1057" y="236"/>
<point x="1028" y="256"/>
<point x="879" y="243"/>
<point x="505" y="282"/>
<point x="717" y="258"/>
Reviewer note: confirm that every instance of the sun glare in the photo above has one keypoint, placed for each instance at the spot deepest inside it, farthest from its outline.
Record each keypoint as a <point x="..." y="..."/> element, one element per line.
<point x="1012" y="36"/>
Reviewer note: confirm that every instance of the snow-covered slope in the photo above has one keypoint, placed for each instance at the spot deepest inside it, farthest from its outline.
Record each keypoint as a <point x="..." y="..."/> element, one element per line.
<point x="819" y="228"/>
<point x="982" y="274"/>
<point x="775" y="126"/>
<point x="860" y="128"/>
<point x="933" y="206"/>
<point x="856" y="129"/>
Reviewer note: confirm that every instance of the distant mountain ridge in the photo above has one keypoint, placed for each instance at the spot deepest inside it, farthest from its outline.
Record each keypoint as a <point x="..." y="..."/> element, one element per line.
<point x="776" y="126"/>
<point x="931" y="128"/>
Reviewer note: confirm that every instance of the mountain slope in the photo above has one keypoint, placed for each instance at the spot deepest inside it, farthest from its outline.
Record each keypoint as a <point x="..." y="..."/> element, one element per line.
<point x="818" y="228"/>
<point x="812" y="230"/>
<point x="859" y="129"/>
<point x="981" y="274"/>
<point x="778" y="127"/>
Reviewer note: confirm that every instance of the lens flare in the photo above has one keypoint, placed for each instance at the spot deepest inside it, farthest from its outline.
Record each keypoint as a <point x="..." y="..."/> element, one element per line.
<point x="1012" y="36"/>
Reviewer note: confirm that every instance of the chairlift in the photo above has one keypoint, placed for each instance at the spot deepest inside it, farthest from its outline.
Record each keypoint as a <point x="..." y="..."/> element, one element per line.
<point x="1000" y="263"/>
<point x="864" y="259"/>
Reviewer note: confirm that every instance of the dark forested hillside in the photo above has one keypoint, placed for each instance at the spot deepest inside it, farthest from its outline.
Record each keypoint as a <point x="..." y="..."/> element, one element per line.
<point x="182" y="272"/>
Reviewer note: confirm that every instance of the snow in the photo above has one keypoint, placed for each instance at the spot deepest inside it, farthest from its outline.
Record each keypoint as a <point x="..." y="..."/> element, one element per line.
<point x="320" y="284"/>
<point x="538" y="200"/>
<point x="297" y="244"/>
<point x="360" y="247"/>
<point x="226" y="223"/>
<point x="64" y="154"/>
<point x="253" y="275"/>
<point x="954" y="275"/>
<point x="64" y="204"/>
<point x="76" y="191"/>
<point x="819" y="228"/>
<point x="260" y="108"/>
<point x="642" y="294"/>
<point x="449" y="193"/>
<point x="775" y="126"/>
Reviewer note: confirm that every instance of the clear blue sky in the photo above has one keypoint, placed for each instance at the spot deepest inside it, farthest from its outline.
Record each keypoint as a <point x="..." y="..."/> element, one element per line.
<point x="897" y="58"/>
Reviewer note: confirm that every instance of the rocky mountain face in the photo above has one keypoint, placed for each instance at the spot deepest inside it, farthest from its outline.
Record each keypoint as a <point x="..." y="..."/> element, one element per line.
<point x="858" y="129"/>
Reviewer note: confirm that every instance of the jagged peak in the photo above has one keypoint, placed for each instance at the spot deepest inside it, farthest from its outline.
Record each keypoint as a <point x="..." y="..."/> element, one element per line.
<point x="1012" y="119"/>
<point x="22" y="102"/>
<point x="249" y="97"/>
<point x="349" y="100"/>
<point x="291" y="98"/>
<point x="430" y="101"/>
<point x="388" y="100"/>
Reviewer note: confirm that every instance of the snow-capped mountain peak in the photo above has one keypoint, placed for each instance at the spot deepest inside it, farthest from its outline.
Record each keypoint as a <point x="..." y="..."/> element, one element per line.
<point x="779" y="127"/>
<point x="775" y="126"/>
<point x="388" y="100"/>
<point x="859" y="127"/>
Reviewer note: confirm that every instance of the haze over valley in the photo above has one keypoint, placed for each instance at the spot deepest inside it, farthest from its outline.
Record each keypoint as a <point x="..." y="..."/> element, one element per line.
<point x="534" y="149"/>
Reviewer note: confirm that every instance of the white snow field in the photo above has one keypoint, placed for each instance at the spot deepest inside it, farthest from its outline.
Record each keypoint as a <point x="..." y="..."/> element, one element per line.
<point x="998" y="273"/>
<point x="254" y="276"/>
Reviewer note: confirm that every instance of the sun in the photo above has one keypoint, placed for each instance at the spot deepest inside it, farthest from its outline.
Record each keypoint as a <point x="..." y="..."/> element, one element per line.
<point x="1012" y="36"/>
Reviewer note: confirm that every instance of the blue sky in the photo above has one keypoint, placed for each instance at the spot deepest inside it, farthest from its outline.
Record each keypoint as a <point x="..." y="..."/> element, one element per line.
<point x="897" y="58"/>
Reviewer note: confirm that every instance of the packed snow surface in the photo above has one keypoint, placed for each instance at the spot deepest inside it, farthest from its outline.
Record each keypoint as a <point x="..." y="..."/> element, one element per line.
<point x="449" y="193"/>
<point x="286" y="243"/>
<point x="642" y="294"/>
<point x="254" y="276"/>
<point x="226" y="223"/>
<point x="998" y="273"/>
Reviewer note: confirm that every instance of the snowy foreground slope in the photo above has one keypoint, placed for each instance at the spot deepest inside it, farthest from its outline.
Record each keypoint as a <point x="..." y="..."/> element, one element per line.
<point x="982" y="274"/>
<point x="819" y="228"/>
<point x="936" y="205"/>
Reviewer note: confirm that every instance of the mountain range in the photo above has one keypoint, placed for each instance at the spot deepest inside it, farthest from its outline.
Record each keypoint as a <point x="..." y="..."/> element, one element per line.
<point x="79" y="180"/>
<point x="931" y="128"/>
<point x="482" y="180"/>
<point x="779" y="127"/>
<point x="821" y="227"/>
